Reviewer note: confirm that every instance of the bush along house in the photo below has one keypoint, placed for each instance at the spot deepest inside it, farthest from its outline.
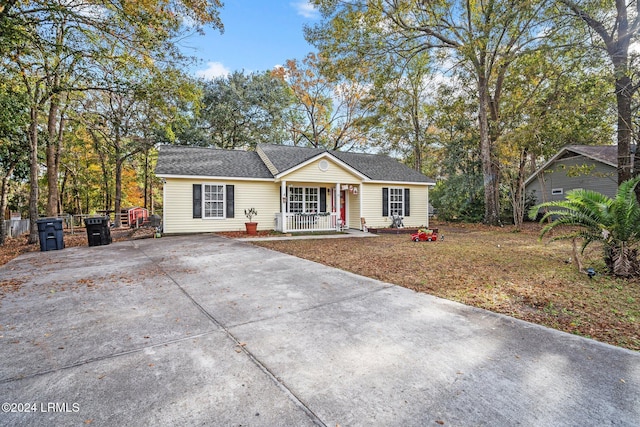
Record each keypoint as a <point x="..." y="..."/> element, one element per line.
<point x="293" y="189"/>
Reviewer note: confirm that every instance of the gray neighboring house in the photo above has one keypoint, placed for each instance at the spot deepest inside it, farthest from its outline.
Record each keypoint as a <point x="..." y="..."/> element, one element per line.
<point x="591" y="167"/>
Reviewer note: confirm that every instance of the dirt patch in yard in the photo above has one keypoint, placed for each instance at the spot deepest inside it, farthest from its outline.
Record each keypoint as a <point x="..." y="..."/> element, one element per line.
<point x="497" y="269"/>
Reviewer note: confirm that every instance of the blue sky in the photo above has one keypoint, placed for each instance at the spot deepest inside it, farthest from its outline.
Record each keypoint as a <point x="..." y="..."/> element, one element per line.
<point x="258" y="35"/>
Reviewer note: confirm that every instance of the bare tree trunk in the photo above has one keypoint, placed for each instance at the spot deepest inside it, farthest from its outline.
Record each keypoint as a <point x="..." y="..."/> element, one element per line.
<point x="105" y="173"/>
<point x="118" y="198"/>
<point x="417" y="146"/>
<point x="63" y="191"/>
<point x="4" y="196"/>
<point x="623" y="101"/>
<point x="33" y="172"/>
<point x="489" y="166"/>
<point x="54" y="137"/>
<point x="517" y="193"/>
<point x="53" y="152"/>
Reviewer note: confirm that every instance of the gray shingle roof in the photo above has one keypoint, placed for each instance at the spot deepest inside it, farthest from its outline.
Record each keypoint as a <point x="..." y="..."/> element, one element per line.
<point x="379" y="167"/>
<point x="197" y="161"/>
<point x="285" y="157"/>
<point x="604" y="153"/>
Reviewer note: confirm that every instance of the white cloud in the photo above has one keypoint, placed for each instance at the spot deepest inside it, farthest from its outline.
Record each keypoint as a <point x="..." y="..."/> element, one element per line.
<point x="213" y="70"/>
<point x="305" y="9"/>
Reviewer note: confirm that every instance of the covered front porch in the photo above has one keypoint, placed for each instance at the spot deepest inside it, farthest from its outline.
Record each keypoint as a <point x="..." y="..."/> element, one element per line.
<point x="308" y="207"/>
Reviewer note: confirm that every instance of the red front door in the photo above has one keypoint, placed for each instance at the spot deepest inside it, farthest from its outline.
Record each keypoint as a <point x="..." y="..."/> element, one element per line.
<point x="343" y="206"/>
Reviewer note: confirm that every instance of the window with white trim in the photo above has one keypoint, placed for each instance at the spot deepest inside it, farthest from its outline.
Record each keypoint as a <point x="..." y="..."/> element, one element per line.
<point x="304" y="199"/>
<point x="213" y="201"/>
<point x="296" y="199"/>
<point x="311" y="200"/>
<point x="396" y="201"/>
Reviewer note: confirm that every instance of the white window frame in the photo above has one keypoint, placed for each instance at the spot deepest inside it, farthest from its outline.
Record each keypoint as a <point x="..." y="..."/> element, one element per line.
<point x="312" y="200"/>
<point x="304" y="202"/>
<point x="557" y="191"/>
<point x="223" y="192"/>
<point x="396" y="202"/>
<point x="295" y="200"/>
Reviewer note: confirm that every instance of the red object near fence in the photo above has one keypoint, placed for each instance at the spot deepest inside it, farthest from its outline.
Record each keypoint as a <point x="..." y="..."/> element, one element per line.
<point x="134" y="217"/>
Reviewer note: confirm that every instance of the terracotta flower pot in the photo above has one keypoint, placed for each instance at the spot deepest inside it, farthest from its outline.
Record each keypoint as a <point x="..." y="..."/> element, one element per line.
<point x="252" y="228"/>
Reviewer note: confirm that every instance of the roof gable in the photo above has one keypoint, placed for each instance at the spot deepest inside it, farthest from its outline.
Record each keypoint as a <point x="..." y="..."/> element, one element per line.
<point x="285" y="157"/>
<point x="328" y="172"/>
<point x="374" y="167"/>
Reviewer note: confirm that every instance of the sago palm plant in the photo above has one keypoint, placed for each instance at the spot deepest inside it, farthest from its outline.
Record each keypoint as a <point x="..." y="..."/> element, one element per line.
<point x="595" y="217"/>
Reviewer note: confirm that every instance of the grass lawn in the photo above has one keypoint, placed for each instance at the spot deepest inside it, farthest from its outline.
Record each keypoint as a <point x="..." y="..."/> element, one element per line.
<point x="497" y="269"/>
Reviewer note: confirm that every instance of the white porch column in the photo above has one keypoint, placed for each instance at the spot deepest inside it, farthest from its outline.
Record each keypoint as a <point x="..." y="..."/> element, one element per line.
<point x="360" y="203"/>
<point x="283" y="205"/>
<point x="337" y="197"/>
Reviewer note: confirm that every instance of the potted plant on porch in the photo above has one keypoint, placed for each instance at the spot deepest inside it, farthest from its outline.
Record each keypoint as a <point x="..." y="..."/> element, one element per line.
<point x="252" y="227"/>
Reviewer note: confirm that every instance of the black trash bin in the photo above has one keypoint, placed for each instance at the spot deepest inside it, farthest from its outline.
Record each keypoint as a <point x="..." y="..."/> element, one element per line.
<point x="98" y="231"/>
<point x="155" y="220"/>
<point x="50" y="234"/>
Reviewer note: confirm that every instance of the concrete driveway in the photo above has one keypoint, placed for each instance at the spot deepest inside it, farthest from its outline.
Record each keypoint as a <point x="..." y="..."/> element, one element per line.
<point x="202" y="330"/>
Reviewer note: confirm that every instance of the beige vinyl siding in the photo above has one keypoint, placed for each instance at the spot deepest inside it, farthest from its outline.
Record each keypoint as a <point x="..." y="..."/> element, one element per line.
<point x="312" y="173"/>
<point x="353" y="206"/>
<point x="178" y="206"/>
<point x="372" y="205"/>
<point x="327" y="184"/>
<point x="603" y="179"/>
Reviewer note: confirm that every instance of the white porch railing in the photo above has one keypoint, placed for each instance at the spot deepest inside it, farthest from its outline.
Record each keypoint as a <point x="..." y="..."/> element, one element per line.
<point x="295" y="222"/>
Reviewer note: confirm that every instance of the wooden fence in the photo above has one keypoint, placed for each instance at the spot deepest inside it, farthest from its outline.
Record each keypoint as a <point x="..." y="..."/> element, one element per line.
<point x="15" y="227"/>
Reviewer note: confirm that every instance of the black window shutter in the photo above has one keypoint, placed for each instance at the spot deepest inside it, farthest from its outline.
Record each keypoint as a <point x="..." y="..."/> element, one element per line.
<point x="197" y="200"/>
<point x="230" y="201"/>
<point x="323" y="199"/>
<point x="407" y="202"/>
<point x="385" y="201"/>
